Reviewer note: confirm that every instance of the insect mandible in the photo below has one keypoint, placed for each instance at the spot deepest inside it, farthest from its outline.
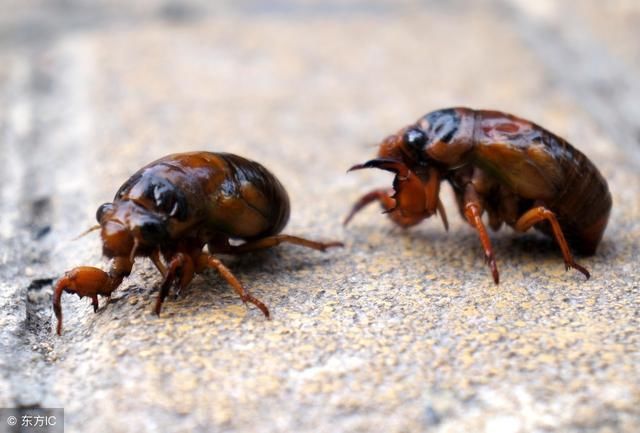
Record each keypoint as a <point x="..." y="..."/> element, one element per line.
<point x="516" y="171"/>
<point x="170" y="209"/>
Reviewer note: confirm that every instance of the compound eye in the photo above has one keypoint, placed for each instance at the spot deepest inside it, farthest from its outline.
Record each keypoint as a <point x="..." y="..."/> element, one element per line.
<point x="415" y="138"/>
<point x="105" y="207"/>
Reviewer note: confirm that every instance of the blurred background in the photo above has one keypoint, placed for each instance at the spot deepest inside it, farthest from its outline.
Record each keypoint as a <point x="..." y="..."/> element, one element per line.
<point x="398" y="331"/>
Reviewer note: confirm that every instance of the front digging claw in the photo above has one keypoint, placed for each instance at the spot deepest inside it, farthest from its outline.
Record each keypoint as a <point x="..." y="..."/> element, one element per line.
<point x="381" y="195"/>
<point x="392" y="165"/>
<point x="83" y="281"/>
<point x="412" y="199"/>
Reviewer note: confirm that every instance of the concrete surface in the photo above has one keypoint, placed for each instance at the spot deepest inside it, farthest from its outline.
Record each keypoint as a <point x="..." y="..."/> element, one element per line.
<point x="398" y="331"/>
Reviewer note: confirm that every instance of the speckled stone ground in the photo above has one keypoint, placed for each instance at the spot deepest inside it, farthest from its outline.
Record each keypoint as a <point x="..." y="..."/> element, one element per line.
<point x="396" y="332"/>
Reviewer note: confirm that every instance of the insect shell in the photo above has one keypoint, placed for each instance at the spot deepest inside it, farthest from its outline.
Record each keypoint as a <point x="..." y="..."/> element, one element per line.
<point x="170" y="209"/>
<point x="514" y="170"/>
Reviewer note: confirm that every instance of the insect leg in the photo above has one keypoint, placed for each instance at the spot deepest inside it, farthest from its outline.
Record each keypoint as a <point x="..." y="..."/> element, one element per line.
<point x="94" y="302"/>
<point x="180" y="267"/>
<point x="381" y="195"/>
<point x="539" y="214"/>
<point x="432" y="203"/>
<point x="272" y="241"/>
<point x="388" y="203"/>
<point x="91" y="282"/>
<point x="205" y="261"/>
<point x="443" y="215"/>
<point x="473" y="214"/>
<point x="155" y="258"/>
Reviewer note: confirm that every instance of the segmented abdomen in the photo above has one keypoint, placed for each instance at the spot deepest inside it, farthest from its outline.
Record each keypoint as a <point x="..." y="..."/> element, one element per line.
<point x="584" y="203"/>
<point x="252" y="183"/>
<point x="540" y="167"/>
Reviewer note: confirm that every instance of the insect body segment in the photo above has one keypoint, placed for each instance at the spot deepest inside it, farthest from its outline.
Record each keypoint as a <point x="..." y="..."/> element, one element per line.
<point x="170" y="209"/>
<point x="514" y="170"/>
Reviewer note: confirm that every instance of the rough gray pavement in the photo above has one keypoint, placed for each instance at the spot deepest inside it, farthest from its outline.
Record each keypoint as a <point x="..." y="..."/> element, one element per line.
<point x="396" y="332"/>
